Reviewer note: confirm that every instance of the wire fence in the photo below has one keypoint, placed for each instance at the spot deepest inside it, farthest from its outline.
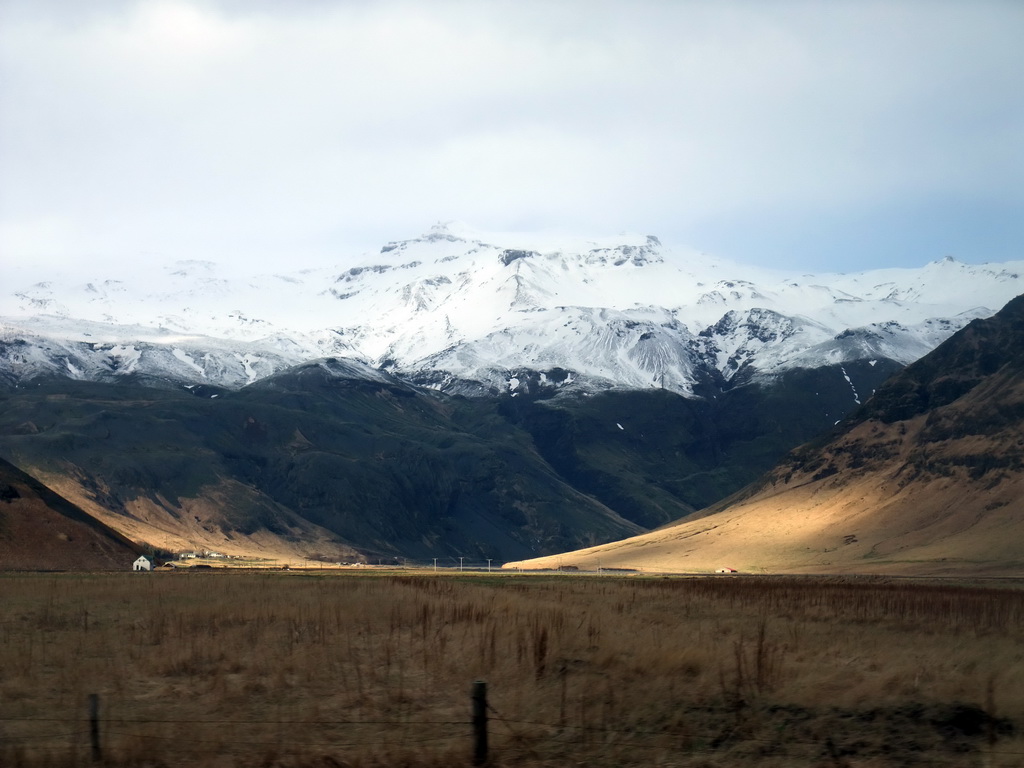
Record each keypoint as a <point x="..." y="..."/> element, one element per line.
<point x="28" y="741"/>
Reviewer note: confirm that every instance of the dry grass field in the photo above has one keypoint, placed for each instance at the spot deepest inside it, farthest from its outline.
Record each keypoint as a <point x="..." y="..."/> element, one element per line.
<point x="375" y="669"/>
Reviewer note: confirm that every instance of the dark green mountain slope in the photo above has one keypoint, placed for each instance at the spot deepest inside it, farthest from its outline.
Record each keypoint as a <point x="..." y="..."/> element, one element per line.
<point x="953" y="369"/>
<point x="320" y="453"/>
<point x="380" y="465"/>
<point x="653" y="456"/>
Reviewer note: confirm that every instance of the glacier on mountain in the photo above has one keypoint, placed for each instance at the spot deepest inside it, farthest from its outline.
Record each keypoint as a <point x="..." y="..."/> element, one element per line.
<point x="470" y="312"/>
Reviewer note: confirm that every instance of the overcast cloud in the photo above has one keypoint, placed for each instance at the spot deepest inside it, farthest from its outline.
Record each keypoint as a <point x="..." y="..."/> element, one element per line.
<point x="839" y="135"/>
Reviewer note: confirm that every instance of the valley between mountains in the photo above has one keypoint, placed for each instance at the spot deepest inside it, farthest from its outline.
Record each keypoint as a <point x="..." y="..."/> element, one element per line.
<point x="926" y="478"/>
<point x="487" y="396"/>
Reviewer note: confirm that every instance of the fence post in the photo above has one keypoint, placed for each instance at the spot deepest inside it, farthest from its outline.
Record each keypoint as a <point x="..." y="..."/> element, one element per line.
<point x="479" y="722"/>
<point x="94" y="726"/>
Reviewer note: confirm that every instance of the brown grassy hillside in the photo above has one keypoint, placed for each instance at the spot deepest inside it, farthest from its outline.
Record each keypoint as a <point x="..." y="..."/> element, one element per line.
<point x="927" y="478"/>
<point x="202" y="523"/>
<point x="41" y="530"/>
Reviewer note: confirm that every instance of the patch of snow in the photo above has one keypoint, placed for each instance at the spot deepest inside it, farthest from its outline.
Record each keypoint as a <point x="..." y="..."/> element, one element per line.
<point x="125" y="358"/>
<point x="184" y="357"/>
<point x="849" y="381"/>
<point x="247" y="362"/>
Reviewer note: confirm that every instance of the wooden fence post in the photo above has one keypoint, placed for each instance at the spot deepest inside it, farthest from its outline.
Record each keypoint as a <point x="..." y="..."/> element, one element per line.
<point x="479" y="722"/>
<point x="94" y="726"/>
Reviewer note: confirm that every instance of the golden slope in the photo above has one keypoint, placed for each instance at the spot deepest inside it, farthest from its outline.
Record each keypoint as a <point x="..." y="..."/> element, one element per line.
<point x="40" y="530"/>
<point x="939" y="491"/>
<point x="202" y="523"/>
<point x="838" y="524"/>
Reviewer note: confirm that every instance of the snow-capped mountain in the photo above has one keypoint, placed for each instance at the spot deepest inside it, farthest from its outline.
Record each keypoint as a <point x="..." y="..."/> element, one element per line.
<point x="465" y="311"/>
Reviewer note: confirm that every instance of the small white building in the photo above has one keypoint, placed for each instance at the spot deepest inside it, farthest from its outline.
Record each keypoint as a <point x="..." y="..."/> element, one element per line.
<point x="142" y="564"/>
<point x="726" y="570"/>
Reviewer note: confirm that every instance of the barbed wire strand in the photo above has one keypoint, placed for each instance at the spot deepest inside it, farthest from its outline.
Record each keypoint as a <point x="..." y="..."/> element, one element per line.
<point x="116" y="727"/>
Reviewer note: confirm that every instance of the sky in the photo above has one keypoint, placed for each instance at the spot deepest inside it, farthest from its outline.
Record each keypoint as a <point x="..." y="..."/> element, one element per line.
<point x="826" y="136"/>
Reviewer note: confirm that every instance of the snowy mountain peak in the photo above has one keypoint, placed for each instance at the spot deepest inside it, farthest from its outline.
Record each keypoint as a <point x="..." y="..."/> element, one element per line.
<point x="466" y="310"/>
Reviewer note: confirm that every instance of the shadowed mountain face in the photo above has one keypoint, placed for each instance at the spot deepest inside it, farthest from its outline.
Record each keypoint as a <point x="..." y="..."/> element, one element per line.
<point x="313" y="460"/>
<point x="41" y="530"/>
<point x="333" y="460"/>
<point x="927" y="477"/>
<point x="646" y="454"/>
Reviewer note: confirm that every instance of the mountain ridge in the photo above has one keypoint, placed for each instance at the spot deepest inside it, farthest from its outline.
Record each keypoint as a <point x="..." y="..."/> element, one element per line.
<point x="473" y="313"/>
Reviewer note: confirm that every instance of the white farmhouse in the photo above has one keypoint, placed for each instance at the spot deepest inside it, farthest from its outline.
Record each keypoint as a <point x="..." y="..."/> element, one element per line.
<point x="142" y="564"/>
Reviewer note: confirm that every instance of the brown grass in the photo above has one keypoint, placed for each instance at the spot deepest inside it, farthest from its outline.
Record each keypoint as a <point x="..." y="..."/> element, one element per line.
<point x="344" y="669"/>
<point x="882" y="499"/>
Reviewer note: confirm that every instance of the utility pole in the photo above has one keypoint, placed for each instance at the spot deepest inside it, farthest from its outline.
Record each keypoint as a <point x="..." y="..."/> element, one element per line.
<point x="435" y="563"/>
<point x="460" y="563"/>
<point x="488" y="565"/>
